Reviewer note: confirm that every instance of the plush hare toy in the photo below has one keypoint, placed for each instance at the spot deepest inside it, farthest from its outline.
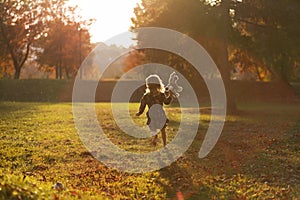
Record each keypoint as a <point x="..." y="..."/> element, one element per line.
<point x="173" y="86"/>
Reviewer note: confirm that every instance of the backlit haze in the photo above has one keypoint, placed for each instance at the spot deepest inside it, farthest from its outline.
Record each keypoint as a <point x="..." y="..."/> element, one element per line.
<point x="113" y="17"/>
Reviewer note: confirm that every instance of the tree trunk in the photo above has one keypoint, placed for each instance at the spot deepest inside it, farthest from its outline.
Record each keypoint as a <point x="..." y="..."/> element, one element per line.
<point x="56" y="71"/>
<point x="67" y="76"/>
<point x="60" y="71"/>
<point x="217" y="49"/>
<point x="226" y="74"/>
<point x="17" y="73"/>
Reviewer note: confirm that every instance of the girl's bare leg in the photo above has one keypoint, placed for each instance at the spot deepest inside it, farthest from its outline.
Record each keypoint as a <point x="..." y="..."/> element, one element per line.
<point x="154" y="140"/>
<point x="164" y="136"/>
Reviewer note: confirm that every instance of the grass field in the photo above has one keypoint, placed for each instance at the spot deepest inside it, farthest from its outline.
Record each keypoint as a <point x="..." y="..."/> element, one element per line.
<point x="256" y="157"/>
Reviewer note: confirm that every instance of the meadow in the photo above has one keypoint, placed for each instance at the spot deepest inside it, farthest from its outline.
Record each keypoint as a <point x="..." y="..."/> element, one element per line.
<point x="256" y="157"/>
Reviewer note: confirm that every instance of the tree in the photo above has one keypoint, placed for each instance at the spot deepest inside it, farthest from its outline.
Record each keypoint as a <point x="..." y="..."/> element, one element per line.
<point x="264" y="32"/>
<point x="6" y="69"/>
<point x="247" y="67"/>
<point x="270" y="31"/>
<point x="134" y="58"/>
<point x="22" y="23"/>
<point x="64" y="48"/>
<point x="208" y="22"/>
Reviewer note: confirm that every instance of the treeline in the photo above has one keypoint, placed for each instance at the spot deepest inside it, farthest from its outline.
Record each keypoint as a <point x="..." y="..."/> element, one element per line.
<point x="40" y="90"/>
<point x="256" y="38"/>
<point x="45" y="33"/>
<point x="248" y="39"/>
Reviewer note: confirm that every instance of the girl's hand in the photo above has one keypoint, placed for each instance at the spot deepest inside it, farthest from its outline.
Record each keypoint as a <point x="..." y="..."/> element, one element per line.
<point x="169" y="93"/>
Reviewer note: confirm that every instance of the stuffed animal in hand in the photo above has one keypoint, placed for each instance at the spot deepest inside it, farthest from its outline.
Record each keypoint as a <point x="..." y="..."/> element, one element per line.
<point x="173" y="86"/>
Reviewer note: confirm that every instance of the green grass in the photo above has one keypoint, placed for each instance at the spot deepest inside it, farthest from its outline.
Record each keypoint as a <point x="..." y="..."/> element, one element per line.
<point x="256" y="157"/>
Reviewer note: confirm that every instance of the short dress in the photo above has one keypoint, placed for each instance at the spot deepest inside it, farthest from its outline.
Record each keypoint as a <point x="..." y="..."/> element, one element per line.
<point x="156" y="116"/>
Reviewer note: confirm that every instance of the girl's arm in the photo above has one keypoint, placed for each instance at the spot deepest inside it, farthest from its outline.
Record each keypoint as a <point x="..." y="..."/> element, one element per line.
<point x="168" y="97"/>
<point x="142" y="106"/>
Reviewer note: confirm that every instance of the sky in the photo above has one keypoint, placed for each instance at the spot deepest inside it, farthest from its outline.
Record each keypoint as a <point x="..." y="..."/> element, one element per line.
<point x="113" y="17"/>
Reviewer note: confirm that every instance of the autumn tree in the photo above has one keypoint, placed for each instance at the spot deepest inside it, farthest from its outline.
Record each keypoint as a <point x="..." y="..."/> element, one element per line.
<point x="264" y="33"/>
<point x="246" y="66"/>
<point x="22" y="23"/>
<point x="208" y="22"/>
<point x="6" y="69"/>
<point x="64" y="48"/>
<point x="133" y="59"/>
<point x="270" y="31"/>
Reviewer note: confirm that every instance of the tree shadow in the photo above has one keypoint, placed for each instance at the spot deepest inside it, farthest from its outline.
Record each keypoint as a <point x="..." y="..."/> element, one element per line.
<point x="179" y="180"/>
<point x="278" y="164"/>
<point x="180" y="174"/>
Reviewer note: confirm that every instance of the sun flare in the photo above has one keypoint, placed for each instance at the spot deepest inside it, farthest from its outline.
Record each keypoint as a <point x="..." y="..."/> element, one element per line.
<point x="112" y="17"/>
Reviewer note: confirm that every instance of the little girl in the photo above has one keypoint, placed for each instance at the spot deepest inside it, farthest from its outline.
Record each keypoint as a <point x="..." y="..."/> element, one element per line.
<point x="154" y="97"/>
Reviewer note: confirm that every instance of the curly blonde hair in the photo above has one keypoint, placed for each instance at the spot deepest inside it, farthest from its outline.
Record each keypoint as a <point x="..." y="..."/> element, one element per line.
<point x="154" y="84"/>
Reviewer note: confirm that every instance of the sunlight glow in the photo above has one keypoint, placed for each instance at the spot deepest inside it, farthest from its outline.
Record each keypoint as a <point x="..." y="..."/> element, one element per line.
<point x="112" y="16"/>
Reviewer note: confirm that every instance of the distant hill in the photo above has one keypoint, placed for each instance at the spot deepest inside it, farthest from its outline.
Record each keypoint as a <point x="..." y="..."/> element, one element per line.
<point x="106" y="61"/>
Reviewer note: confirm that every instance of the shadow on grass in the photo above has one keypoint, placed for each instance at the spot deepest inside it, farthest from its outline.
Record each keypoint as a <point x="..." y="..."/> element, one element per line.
<point x="279" y="164"/>
<point x="180" y="174"/>
<point x="257" y="156"/>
